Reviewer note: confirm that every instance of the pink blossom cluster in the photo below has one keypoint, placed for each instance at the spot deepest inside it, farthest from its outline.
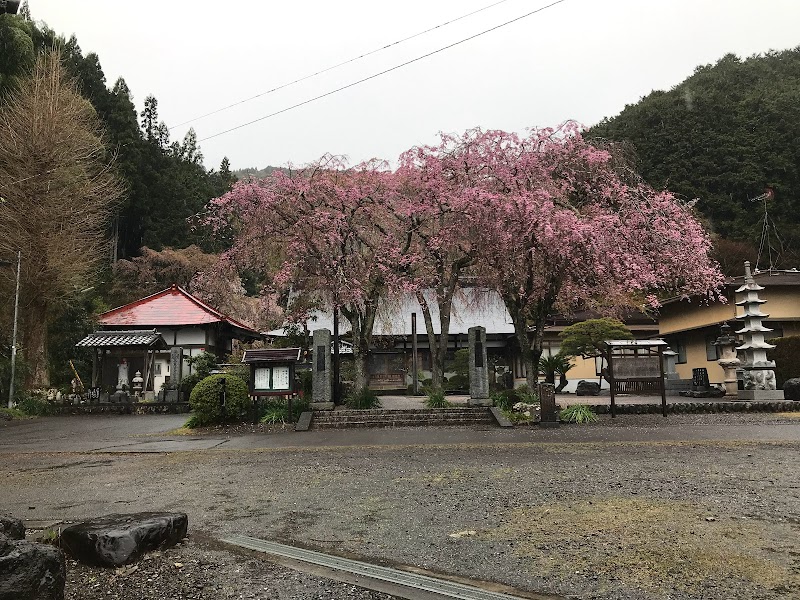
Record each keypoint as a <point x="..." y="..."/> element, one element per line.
<point x="550" y="220"/>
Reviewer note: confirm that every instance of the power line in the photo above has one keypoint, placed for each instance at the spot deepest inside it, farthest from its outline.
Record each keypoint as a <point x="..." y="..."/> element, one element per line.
<point x="375" y="75"/>
<point x="336" y="66"/>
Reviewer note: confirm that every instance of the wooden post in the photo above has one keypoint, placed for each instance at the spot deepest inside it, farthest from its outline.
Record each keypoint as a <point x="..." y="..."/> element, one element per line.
<point x="94" y="367"/>
<point x="611" y="379"/>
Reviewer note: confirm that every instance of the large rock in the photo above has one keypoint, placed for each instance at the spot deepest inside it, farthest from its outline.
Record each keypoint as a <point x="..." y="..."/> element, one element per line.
<point x="30" y="571"/>
<point x="587" y="388"/>
<point x="12" y="528"/>
<point x="119" y="539"/>
<point x="791" y="389"/>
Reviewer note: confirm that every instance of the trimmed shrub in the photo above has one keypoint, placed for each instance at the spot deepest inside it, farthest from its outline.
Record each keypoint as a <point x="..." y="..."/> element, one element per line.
<point x="206" y="400"/>
<point x="457" y="383"/>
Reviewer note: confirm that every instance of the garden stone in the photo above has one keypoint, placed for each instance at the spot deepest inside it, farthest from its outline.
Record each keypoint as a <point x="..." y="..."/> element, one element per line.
<point x="116" y="540"/>
<point x="791" y="389"/>
<point x="12" y="528"/>
<point x="587" y="388"/>
<point x="30" y="571"/>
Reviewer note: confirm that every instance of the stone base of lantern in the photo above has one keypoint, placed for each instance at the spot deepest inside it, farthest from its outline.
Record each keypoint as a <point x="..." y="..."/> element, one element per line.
<point x="756" y="395"/>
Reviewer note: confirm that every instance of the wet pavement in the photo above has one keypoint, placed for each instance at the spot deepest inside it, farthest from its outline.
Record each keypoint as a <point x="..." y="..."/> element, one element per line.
<point x="155" y="433"/>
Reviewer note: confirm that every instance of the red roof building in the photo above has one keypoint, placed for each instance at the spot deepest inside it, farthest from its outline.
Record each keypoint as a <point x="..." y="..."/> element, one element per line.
<point x="182" y="320"/>
<point x="169" y="308"/>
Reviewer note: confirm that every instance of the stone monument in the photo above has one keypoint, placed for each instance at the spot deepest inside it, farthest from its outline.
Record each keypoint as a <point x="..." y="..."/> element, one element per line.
<point x="726" y="342"/>
<point x="759" y="376"/>
<point x="123" y="383"/>
<point x="322" y="390"/>
<point x="478" y="368"/>
<point x="173" y="392"/>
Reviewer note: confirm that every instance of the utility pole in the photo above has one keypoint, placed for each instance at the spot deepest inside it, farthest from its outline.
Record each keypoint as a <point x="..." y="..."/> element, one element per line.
<point x="14" y="335"/>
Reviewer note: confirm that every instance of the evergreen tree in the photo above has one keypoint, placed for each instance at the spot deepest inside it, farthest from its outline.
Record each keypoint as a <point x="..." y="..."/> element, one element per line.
<point x="722" y="136"/>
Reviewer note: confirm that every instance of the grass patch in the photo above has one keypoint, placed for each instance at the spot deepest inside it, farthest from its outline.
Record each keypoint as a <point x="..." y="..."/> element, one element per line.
<point x="363" y="399"/>
<point x="578" y="413"/>
<point x="788" y="415"/>
<point x="12" y="414"/>
<point x="650" y="543"/>
<point x="437" y="399"/>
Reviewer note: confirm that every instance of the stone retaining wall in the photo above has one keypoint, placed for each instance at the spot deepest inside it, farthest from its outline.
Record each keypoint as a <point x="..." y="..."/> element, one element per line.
<point x="134" y="408"/>
<point x="697" y="407"/>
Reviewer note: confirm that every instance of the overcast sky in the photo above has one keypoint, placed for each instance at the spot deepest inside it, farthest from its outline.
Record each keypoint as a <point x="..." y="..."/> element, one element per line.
<point x="579" y="59"/>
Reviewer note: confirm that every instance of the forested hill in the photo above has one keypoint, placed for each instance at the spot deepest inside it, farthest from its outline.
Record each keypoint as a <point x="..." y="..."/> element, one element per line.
<point x="254" y="172"/>
<point x="723" y="135"/>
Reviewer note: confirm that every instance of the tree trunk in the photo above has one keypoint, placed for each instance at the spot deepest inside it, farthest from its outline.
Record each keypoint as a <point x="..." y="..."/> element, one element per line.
<point x="433" y="343"/>
<point x="34" y="347"/>
<point x="438" y="347"/>
<point x="362" y="321"/>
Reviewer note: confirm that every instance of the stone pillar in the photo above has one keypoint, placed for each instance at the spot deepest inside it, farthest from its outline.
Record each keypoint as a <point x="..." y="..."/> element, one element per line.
<point x="172" y="393"/>
<point x="726" y="342"/>
<point x="322" y="391"/>
<point x="759" y="374"/>
<point x="478" y="368"/>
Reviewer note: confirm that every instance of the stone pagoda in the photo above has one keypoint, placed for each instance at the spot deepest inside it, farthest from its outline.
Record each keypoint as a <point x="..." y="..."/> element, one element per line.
<point x="759" y="374"/>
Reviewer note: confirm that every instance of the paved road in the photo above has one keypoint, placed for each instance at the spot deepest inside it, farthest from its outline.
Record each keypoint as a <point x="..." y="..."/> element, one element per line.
<point x="151" y="433"/>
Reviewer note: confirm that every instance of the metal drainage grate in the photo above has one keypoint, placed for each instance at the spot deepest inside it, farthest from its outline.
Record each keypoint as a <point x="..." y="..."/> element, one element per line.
<point x="421" y="582"/>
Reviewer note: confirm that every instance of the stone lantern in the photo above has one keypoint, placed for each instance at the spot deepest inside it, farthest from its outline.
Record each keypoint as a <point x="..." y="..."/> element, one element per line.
<point x="726" y="342"/>
<point x="759" y="374"/>
<point x="137" y="383"/>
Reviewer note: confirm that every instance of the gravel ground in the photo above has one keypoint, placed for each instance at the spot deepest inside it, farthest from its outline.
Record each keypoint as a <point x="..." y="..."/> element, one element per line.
<point x="196" y="572"/>
<point x="607" y="520"/>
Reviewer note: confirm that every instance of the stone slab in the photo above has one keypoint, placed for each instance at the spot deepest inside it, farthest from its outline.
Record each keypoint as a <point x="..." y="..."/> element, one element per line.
<point x="304" y="422"/>
<point x="756" y="395"/>
<point x="501" y="419"/>
<point x="322" y="406"/>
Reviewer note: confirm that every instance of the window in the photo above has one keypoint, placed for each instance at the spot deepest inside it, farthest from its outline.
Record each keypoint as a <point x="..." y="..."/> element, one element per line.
<point x="712" y="351"/>
<point x="679" y="348"/>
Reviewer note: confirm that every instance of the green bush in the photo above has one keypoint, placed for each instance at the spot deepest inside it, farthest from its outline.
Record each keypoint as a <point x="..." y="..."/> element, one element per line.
<point x="504" y="399"/>
<point x="276" y="410"/>
<point x="364" y="398"/>
<point x="457" y="382"/>
<point x="436" y="399"/>
<point x="306" y="383"/>
<point x="205" y="400"/>
<point x="578" y="413"/>
<point x="201" y="366"/>
<point x="786" y="355"/>
<point x="274" y="415"/>
<point x="34" y="405"/>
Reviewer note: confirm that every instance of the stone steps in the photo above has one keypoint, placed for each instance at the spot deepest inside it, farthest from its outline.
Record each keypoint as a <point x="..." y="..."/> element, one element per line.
<point x="344" y="419"/>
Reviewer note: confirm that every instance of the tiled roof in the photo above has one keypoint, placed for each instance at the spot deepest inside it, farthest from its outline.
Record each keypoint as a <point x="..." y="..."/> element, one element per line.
<point x="271" y="355"/>
<point x="170" y="307"/>
<point x="141" y="337"/>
